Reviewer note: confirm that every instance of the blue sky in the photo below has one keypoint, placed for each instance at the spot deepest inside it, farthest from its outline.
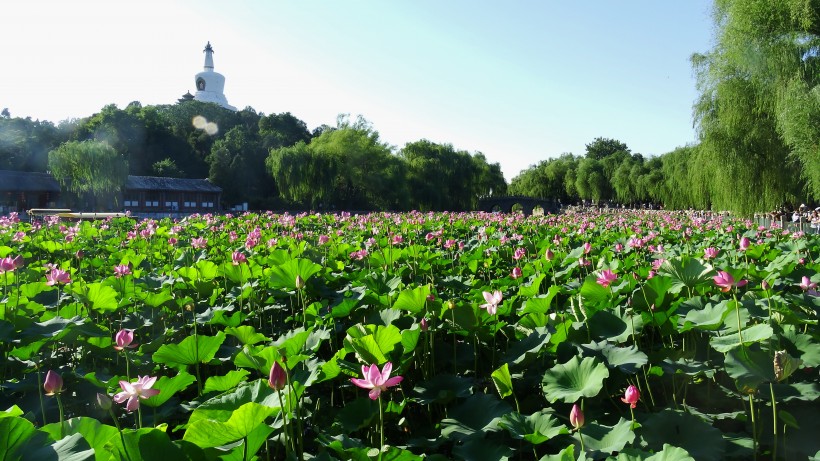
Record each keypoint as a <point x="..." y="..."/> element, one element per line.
<point x="520" y="81"/>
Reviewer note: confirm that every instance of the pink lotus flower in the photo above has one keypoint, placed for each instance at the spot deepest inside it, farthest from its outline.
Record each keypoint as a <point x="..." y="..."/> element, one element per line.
<point x="121" y="270"/>
<point x="423" y="324"/>
<point x="549" y="255"/>
<point x="744" y="244"/>
<point x="493" y="300"/>
<point x="53" y="383"/>
<point x="606" y="278"/>
<point x="516" y="272"/>
<point x="725" y="281"/>
<point x="278" y="378"/>
<point x="519" y="253"/>
<point x="631" y="396"/>
<point x="619" y="247"/>
<point x="323" y="239"/>
<point x="237" y="258"/>
<point x="199" y="242"/>
<point x="375" y="380"/>
<point x="576" y="417"/>
<point x="57" y="277"/>
<point x="133" y="392"/>
<point x="123" y="339"/>
<point x="172" y="240"/>
<point x="710" y="253"/>
<point x="9" y="264"/>
<point x="587" y="247"/>
<point x="806" y="284"/>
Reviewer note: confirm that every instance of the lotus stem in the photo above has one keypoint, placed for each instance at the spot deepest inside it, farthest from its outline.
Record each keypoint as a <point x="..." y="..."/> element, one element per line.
<point x="774" y="420"/>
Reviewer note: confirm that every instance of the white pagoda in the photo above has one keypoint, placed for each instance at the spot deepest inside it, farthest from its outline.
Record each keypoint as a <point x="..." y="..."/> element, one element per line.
<point x="209" y="84"/>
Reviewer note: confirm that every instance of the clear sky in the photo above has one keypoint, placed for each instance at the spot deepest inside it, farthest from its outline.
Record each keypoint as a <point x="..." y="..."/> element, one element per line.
<point x="520" y="81"/>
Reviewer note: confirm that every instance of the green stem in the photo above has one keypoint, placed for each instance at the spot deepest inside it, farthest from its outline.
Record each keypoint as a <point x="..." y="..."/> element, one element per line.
<point x="40" y="389"/>
<point x="739" y="329"/>
<point x="774" y="420"/>
<point x="381" y="428"/>
<point x="119" y="429"/>
<point x="139" y="417"/>
<point x="62" y="416"/>
<point x="754" y="424"/>
<point x="284" y="422"/>
<point x="581" y="436"/>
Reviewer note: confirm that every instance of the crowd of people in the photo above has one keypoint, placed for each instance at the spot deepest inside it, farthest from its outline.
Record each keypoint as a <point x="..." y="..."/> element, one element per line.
<point x="804" y="217"/>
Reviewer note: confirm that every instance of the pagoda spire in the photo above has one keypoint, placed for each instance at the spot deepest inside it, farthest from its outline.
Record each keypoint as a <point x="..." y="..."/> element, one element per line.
<point x="209" y="57"/>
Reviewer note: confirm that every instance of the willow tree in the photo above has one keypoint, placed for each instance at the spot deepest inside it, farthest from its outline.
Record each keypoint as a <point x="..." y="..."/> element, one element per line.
<point x="89" y="168"/>
<point x="759" y="107"/>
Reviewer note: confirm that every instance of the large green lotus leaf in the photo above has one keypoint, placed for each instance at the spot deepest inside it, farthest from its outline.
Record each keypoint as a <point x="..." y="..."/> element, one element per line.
<point x="144" y="445"/>
<point x="224" y="383"/>
<point x="54" y="327"/>
<point x="575" y="379"/>
<point x="250" y="445"/>
<point x="246" y="334"/>
<point x="593" y="293"/>
<point x="629" y="359"/>
<point x="221" y="407"/>
<point x="284" y="275"/>
<point x="679" y="429"/>
<point x="503" y="381"/>
<point x="670" y="453"/>
<point x="465" y="317"/>
<point x="373" y="343"/>
<point x="709" y="318"/>
<point x="540" y="304"/>
<point x="478" y="449"/>
<point x="193" y="349"/>
<point x="94" y="432"/>
<point x="604" y="324"/>
<point x="804" y="347"/>
<point x="210" y="433"/>
<point x="606" y="439"/>
<point x="753" y="334"/>
<point x="71" y="448"/>
<point x="807" y="392"/>
<point x="413" y="300"/>
<point x="529" y="346"/>
<point x="528" y="291"/>
<point x="478" y="414"/>
<point x="103" y="298"/>
<point x="168" y="387"/>
<point x="207" y="270"/>
<point x="652" y="293"/>
<point x="685" y="272"/>
<point x="442" y="388"/>
<point x="157" y="299"/>
<point x="749" y="368"/>
<point x="536" y="428"/>
<point x="17" y="436"/>
<point x="567" y="454"/>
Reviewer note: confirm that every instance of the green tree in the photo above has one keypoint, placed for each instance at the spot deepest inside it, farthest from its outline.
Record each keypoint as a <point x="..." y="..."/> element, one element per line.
<point x="601" y="148"/>
<point x="758" y="111"/>
<point x="90" y="168"/>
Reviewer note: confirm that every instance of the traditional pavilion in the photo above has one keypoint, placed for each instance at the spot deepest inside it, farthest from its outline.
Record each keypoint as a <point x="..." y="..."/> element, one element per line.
<point x="210" y="85"/>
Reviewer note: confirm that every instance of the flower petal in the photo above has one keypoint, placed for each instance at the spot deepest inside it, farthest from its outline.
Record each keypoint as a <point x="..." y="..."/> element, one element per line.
<point x="374" y="393"/>
<point x="363" y="383"/>
<point x="393" y="381"/>
<point x="133" y="403"/>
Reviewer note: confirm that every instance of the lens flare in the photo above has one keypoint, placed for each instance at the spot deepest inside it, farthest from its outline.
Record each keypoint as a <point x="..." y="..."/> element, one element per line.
<point x="200" y="122"/>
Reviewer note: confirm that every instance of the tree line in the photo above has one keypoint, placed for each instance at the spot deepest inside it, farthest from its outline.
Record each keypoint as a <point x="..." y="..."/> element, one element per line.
<point x="757" y="117"/>
<point x="269" y="161"/>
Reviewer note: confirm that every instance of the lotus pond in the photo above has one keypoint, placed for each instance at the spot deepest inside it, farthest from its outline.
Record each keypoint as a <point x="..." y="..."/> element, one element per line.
<point x="472" y="336"/>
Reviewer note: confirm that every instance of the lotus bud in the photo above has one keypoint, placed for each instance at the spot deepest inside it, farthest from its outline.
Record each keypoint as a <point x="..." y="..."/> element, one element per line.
<point x="53" y="383"/>
<point x="278" y="378"/>
<point x="104" y="401"/>
<point x="576" y="417"/>
<point x="300" y="282"/>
